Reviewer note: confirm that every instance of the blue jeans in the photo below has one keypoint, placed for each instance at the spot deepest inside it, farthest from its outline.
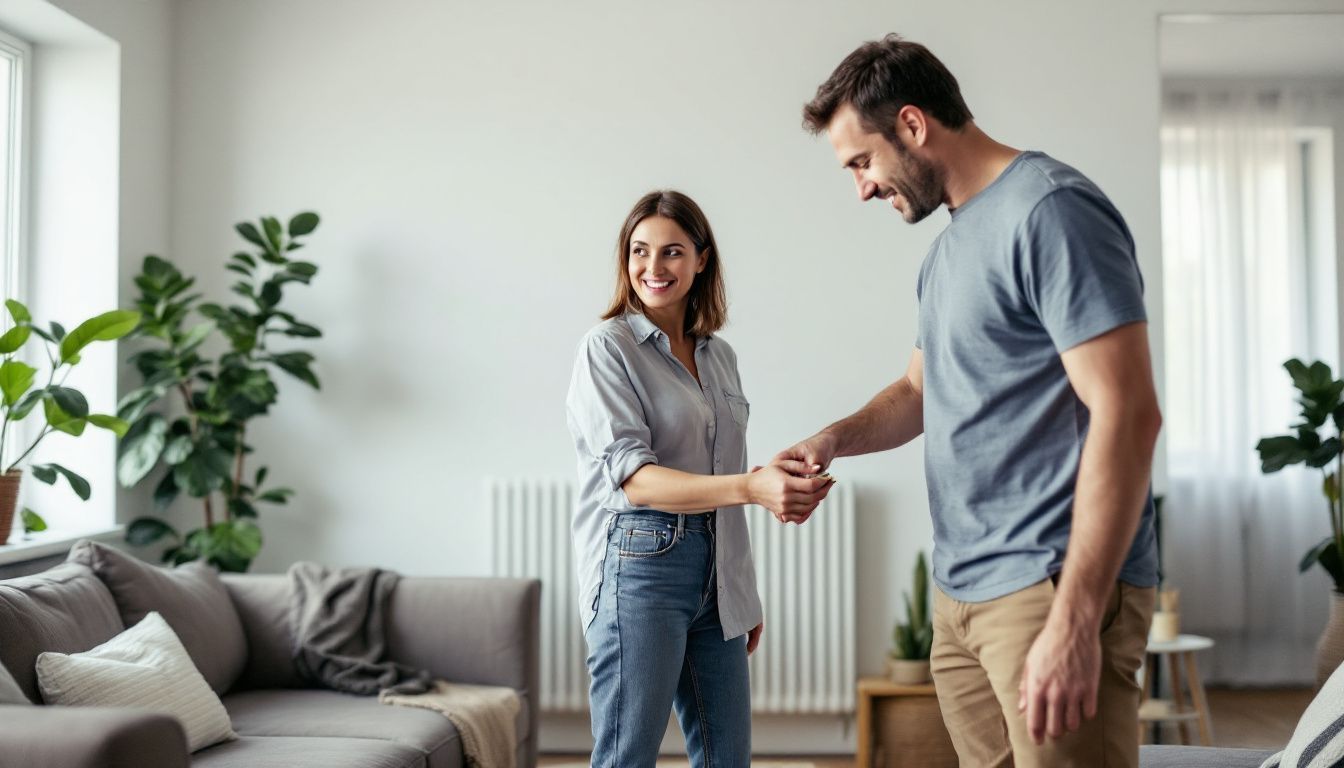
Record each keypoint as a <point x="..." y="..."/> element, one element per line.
<point x="656" y="644"/>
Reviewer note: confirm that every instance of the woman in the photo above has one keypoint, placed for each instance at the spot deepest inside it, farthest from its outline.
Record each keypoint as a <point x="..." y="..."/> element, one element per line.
<point x="667" y="586"/>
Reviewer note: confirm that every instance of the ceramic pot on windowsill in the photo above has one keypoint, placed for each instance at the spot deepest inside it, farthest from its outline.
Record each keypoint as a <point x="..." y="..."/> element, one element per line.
<point x="9" y="501"/>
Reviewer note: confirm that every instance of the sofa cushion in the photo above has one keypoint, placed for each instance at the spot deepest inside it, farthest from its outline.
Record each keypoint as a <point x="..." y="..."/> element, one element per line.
<point x="298" y="752"/>
<point x="145" y="668"/>
<point x="10" y="693"/>
<point x="65" y="609"/>
<point x="263" y="604"/>
<point x="329" y="713"/>
<point x="190" y="598"/>
<point x="1162" y="756"/>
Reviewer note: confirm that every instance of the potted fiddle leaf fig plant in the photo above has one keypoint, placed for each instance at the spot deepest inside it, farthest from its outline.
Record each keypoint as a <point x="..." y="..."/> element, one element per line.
<point x="913" y="638"/>
<point x="64" y="409"/>
<point x="197" y="434"/>
<point x="1315" y="442"/>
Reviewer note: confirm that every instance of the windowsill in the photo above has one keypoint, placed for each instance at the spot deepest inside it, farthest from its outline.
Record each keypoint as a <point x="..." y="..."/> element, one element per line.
<point x="48" y="543"/>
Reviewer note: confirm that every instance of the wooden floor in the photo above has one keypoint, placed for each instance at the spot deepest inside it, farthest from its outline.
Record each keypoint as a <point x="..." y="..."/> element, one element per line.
<point x="1260" y="718"/>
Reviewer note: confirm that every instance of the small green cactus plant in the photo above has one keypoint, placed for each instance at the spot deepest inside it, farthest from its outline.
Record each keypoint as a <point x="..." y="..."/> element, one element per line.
<point x="914" y="637"/>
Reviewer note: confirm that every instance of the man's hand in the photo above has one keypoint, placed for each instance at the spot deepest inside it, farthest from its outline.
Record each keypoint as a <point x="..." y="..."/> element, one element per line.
<point x="754" y="637"/>
<point x="1060" y="680"/>
<point x="788" y="497"/>
<point x="816" y="453"/>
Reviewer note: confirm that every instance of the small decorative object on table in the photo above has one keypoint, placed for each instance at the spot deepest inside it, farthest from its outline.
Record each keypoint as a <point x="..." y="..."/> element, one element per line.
<point x="1167" y="618"/>
<point x="909" y="660"/>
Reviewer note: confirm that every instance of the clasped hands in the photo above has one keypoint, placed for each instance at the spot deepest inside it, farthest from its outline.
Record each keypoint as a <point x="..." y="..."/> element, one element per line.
<point x="795" y="481"/>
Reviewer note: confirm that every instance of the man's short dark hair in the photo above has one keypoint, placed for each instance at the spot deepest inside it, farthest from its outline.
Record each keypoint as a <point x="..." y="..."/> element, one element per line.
<point x="882" y="76"/>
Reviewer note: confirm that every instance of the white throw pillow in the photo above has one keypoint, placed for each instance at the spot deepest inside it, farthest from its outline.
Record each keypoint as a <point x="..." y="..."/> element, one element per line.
<point x="1318" y="740"/>
<point x="144" y="667"/>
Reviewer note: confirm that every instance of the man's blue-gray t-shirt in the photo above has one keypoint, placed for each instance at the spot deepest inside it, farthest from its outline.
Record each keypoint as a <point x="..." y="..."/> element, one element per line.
<point x="1035" y="264"/>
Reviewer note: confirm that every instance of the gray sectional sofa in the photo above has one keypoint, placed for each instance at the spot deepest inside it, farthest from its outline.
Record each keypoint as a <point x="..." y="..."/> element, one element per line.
<point x="481" y="631"/>
<point x="1166" y="756"/>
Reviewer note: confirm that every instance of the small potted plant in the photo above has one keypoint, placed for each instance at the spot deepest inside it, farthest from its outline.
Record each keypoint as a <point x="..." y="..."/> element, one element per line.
<point x="64" y="409"/>
<point x="909" y="660"/>
<point x="1315" y="441"/>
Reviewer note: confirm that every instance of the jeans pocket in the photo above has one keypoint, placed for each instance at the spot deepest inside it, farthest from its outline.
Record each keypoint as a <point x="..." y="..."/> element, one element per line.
<point x="645" y="542"/>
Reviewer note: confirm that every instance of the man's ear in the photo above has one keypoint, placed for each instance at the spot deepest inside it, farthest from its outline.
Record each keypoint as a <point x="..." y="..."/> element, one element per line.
<point x="912" y="125"/>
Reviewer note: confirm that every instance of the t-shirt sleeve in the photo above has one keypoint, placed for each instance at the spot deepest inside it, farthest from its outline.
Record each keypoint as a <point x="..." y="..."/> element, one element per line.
<point x="606" y="418"/>
<point x="1079" y="272"/>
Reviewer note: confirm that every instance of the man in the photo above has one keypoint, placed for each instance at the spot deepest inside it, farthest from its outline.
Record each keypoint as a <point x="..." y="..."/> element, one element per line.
<point x="1032" y="385"/>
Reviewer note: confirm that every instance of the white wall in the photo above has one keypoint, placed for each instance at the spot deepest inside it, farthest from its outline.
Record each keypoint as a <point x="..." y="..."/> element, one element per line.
<point x="473" y="161"/>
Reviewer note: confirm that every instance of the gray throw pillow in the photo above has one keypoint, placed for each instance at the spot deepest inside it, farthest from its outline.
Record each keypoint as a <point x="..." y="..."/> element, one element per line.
<point x="65" y="609"/>
<point x="190" y="597"/>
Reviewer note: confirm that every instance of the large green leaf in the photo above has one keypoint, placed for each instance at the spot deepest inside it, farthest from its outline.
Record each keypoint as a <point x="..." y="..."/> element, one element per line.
<point x="14" y="338"/>
<point x="270" y="293"/>
<point x="296" y="365"/>
<point x="241" y="508"/>
<point x="233" y="544"/>
<point x="140" y="449"/>
<point x="204" y="471"/>
<point x="44" y="473"/>
<point x="302" y="268"/>
<point x="18" y="311"/>
<point x="274" y="232"/>
<point x="1280" y="451"/>
<point x="165" y="492"/>
<point x="71" y="401"/>
<point x="251" y="235"/>
<point x="117" y="426"/>
<point x="79" y="484"/>
<point x="105" y="327"/>
<point x="303" y="330"/>
<point x="27" y="404"/>
<point x="133" y="405"/>
<point x="62" y="421"/>
<point x="194" y="338"/>
<point x="177" y="450"/>
<point x="303" y="223"/>
<point x="144" y="531"/>
<point x="15" y="379"/>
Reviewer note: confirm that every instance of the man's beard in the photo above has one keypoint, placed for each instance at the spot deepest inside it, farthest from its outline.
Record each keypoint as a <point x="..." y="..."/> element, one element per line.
<point x="921" y="186"/>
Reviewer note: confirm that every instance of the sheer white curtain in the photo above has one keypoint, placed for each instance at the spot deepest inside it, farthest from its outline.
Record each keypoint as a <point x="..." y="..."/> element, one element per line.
<point x="1238" y="303"/>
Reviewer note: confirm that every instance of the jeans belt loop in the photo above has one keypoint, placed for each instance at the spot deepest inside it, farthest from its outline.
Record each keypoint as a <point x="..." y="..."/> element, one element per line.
<point x="681" y="527"/>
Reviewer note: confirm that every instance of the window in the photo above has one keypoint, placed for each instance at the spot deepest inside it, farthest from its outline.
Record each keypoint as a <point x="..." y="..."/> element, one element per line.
<point x="15" y="56"/>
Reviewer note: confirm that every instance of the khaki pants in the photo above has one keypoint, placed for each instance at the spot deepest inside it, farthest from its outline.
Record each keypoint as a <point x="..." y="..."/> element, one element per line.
<point x="978" y="652"/>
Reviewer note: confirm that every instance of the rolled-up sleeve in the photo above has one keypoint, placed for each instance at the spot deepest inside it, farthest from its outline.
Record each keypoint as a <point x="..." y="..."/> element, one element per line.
<point x="607" y="420"/>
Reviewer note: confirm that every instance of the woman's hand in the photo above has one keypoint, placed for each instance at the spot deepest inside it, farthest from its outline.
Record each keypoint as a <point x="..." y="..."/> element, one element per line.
<point x="754" y="637"/>
<point x="789" y="498"/>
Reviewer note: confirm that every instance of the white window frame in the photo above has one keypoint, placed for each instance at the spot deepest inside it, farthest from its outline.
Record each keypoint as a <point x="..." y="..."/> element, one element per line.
<point x="14" y="248"/>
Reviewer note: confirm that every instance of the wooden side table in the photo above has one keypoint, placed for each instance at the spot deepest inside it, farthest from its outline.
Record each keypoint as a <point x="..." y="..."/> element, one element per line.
<point x="1180" y="655"/>
<point x="900" y="726"/>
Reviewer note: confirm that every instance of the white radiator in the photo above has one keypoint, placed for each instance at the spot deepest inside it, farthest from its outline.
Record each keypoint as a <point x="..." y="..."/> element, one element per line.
<point x="805" y="574"/>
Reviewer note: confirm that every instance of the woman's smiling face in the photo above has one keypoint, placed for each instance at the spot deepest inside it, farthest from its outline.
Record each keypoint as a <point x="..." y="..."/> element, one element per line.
<point x="662" y="263"/>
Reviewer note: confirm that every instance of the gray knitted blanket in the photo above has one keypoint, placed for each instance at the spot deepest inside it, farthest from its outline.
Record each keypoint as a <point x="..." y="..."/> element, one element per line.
<point x="338" y="618"/>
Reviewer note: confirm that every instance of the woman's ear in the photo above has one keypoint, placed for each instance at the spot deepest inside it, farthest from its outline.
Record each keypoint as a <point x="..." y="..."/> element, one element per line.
<point x="702" y="262"/>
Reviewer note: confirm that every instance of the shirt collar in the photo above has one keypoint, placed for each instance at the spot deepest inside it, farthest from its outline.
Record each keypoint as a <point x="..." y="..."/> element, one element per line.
<point x="645" y="329"/>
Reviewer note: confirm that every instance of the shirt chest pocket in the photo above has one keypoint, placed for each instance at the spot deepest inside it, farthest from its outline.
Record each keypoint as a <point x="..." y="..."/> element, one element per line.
<point x="739" y="407"/>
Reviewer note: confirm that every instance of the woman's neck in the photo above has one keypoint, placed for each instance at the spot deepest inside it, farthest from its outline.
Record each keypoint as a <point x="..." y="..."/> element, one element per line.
<point x="670" y="320"/>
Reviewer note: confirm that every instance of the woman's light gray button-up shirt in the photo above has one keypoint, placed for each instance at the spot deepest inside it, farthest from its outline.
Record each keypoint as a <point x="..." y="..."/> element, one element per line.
<point x="631" y="403"/>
